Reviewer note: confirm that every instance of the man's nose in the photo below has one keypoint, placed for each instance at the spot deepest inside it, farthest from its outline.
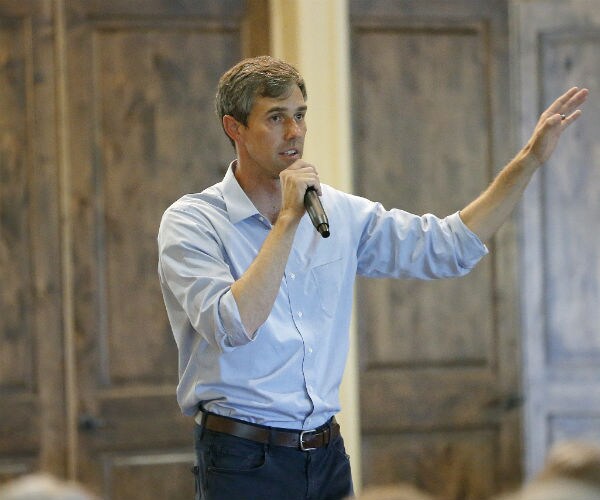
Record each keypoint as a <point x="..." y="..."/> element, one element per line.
<point x="293" y="129"/>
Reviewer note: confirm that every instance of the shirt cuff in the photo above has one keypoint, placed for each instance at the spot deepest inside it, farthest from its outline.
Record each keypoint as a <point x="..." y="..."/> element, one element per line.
<point x="470" y="249"/>
<point x="233" y="333"/>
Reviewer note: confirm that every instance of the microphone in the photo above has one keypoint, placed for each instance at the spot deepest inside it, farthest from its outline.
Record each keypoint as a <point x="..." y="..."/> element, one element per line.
<point x="315" y="210"/>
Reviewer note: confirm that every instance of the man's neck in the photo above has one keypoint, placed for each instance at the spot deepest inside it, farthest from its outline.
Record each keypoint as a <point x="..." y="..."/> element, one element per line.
<point x="264" y="193"/>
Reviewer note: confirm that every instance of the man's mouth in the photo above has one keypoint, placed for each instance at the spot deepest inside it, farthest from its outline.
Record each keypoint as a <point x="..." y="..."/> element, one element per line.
<point x="290" y="153"/>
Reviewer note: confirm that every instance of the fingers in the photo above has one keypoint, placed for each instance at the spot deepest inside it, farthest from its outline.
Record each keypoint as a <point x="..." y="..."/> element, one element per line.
<point x="295" y="180"/>
<point x="576" y="100"/>
<point x="561" y="120"/>
<point x="554" y="121"/>
<point x="564" y="110"/>
<point x="566" y="97"/>
<point x="567" y="103"/>
<point x="570" y="118"/>
<point x="304" y="173"/>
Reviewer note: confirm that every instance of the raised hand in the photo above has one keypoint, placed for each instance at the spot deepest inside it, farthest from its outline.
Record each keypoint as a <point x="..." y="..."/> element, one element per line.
<point x="559" y="115"/>
<point x="487" y="212"/>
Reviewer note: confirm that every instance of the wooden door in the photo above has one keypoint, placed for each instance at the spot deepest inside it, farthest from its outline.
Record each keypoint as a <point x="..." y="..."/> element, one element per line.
<point x="557" y="45"/>
<point x="141" y="87"/>
<point x="439" y="361"/>
<point x="31" y="350"/>
<point x="106" y="118"/>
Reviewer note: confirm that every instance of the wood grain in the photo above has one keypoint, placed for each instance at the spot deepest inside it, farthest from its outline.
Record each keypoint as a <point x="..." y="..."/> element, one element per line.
<point x="437" y="358"/>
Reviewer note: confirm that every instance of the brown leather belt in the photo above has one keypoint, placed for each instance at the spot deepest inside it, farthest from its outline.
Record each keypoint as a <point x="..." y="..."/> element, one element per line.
<point x="302" y="440"/>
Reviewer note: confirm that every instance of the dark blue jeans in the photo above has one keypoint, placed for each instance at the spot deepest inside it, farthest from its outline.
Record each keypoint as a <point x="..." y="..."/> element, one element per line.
<point x="232" y="468"/>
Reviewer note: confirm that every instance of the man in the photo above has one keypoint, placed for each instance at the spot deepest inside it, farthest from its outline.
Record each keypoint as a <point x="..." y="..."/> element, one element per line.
<point x="260" y="303"/>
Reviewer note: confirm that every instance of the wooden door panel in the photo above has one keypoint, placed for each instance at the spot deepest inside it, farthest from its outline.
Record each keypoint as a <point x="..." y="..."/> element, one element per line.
<point x="572" y="256"/>
<point x="447" y="404"/>
<point x="143" y="133"/>
<point x="437" y="358"/>
<point x="421" y="97"/>
<point x="430" y="174"/>
<point x="557" y="47"/>
<point x="158" y="140"/>
<point x="128" y="474"/>
<point x="17" y="355"/>
<point x="420" y="308"/>
<point x="106" y="118"/>
<point x="450" y="464"/>
<point x="30" y="340"/>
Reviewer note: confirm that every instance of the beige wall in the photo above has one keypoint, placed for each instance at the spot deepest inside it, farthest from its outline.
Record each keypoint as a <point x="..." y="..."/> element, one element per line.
<point x="313" y="35"/>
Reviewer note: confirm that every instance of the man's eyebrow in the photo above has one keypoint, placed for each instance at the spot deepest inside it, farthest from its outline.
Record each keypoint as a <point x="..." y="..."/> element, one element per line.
<point x="278" y="109"/>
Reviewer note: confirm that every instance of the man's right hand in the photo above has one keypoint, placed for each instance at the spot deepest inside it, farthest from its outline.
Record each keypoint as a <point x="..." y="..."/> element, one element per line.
<point x="295" y="180"/>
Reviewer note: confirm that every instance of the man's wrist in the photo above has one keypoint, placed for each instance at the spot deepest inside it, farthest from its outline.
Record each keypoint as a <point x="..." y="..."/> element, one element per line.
<point x="288" y="220"/>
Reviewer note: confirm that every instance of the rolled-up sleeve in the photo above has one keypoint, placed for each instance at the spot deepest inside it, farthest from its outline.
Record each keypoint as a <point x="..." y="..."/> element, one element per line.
<point x="469" y="248"/>
<point x="397" y="244"/>
<point x="196" y="280"/>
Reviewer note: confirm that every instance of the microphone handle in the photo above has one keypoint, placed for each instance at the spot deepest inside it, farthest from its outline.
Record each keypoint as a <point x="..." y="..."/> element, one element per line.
<point x="315" y="210"/>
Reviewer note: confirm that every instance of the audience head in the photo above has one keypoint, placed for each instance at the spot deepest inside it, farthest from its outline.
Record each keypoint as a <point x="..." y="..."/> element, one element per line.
<point x="571" y="472"/>
<point x="43" y="487"/>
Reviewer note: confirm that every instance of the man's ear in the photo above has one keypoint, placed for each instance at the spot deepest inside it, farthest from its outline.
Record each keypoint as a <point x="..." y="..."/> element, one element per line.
<point x="232" y="128"/>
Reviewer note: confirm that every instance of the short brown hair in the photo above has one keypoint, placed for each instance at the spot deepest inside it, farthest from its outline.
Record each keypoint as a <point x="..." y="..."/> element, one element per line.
<point x="262" y="76"/>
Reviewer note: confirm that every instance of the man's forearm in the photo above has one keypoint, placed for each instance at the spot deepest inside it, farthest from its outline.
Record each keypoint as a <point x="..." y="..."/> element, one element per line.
<point x="486" y="213"/>
<point x="256" y="290"/>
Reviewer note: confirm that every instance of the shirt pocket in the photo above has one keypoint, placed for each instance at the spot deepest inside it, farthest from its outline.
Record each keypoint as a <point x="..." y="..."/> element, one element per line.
<point x="328" y="279"/>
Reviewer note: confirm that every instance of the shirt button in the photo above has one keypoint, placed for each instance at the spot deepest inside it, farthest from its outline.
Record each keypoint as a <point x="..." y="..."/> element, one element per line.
<point x="293" y="276"/>
<point x="310" y="350"/>
<point x="299" y="314"/>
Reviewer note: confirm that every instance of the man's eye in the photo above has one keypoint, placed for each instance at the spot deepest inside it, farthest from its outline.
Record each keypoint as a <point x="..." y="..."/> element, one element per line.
<point x="300" y="116"/>
<point x="275" y="118"/>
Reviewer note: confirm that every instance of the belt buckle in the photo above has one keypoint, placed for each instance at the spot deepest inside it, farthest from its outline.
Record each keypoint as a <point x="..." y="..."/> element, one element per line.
<point x="302" y="447"/>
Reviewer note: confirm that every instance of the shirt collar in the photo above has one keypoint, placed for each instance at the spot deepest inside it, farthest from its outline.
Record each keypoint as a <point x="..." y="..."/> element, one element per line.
<point x="239" y="206"/>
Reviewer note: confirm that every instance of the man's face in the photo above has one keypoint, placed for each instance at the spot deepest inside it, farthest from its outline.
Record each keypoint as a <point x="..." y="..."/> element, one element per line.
<point x="274" y="136"/>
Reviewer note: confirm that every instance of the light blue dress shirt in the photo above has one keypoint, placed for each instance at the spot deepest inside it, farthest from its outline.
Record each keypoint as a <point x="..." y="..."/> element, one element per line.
<point x="289" y="374"/>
